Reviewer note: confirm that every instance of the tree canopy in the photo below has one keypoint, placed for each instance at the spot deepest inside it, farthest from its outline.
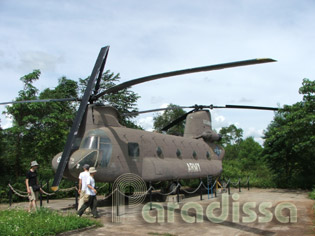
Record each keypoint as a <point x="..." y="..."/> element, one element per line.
<point x="289" y="141"/>
<point x="39" y="130"/>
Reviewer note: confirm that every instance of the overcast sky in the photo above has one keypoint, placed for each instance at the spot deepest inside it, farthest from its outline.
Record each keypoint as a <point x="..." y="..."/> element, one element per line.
<point x="63" y="38"/>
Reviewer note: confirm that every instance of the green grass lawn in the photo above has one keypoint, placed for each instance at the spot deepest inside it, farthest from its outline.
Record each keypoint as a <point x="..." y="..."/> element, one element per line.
<point x="42" y="222"/>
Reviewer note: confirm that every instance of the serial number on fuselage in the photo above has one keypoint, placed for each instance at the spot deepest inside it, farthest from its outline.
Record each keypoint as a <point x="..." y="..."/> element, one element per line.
<point x="193" y="167"/>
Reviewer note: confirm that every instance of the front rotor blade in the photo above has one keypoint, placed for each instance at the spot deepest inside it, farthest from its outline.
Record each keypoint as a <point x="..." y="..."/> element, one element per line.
<point x="42" y="100"/>
<point x="78" y="119"/>
<point x="130" y="83"/>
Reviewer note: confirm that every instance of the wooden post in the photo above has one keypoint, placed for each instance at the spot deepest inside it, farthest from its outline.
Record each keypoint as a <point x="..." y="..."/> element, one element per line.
<point x="200" y="189"/>
<point x="229" y="191"/>
<point x="239" y="184"/>
<point x="178" y="189"/>
<point x="41" y="195"/>
<point x="248" y="183"/>
<point x="47" y="197"/>
<point x="76" y="196"/>
<point x="10" y="195"/>
<point x="150" y="192"/>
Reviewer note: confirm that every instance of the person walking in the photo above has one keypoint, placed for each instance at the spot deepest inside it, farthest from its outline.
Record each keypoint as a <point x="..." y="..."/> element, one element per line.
<point x="32" y="186"/>
<point x="91" y="192"/>
<point x="83" y="177"/>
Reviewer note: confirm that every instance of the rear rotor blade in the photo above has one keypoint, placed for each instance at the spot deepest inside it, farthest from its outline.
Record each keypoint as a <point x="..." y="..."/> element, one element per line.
<point x="153" y="110"/>
<point x="177" y="121"/>
<point x="252" y="107"/>
<point x="77" y="122"/>
<point x="130" y="83"/>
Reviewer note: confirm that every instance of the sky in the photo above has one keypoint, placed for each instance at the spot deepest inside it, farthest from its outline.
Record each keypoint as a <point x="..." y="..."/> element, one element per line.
<point x="63" y="38"/>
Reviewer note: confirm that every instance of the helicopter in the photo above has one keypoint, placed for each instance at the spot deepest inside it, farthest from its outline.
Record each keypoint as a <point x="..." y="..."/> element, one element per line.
<point x="98" y="139"/>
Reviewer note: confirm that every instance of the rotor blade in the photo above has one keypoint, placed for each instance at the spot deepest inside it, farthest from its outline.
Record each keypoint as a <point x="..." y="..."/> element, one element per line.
<point x="177" y="121"/>
<point x="97" y="85"/>
<point x="77" y="121"/>
<point x="252" y="107"/>
<point x="153" y="110"/>
<point x="42" y="100"/>
<point x="130" y="83"/>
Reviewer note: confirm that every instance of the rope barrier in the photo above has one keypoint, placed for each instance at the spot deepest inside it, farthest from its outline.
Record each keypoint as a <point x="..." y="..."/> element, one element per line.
<point x="98" y="189"/>
<point x="110" y="194"/>
<point x="166" y="194"/>
<point x="20" y="193"/>
<point x="211" y="187"/>
<point x="194" y="190"/>
<point x="14" y="191"/>
<point x="135" y="197"/>
<point x="235" y="184"/>
<point x="25" y="195"/>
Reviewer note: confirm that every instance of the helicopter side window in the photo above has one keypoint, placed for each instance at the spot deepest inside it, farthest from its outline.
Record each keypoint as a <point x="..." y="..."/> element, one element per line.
<point x="133" y="150"/>
<point x="105" y="151"/>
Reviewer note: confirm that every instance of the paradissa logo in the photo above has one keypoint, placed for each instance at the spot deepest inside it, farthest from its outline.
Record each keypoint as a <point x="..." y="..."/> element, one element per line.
<point x="248" y="208"/>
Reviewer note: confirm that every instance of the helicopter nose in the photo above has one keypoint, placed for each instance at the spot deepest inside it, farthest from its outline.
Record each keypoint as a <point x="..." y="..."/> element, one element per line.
<point x="55" y="162"/>
<point x="81" y="157"/>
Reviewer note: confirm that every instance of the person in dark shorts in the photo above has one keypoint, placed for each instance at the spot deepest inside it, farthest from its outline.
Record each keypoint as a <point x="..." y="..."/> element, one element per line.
<point x="32" y="186"/>
<point x="91" y="195"/>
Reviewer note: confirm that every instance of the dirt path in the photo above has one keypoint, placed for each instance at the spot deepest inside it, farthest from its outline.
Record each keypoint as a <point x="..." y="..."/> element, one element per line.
<point x="280" y="206"/>
<point x="254" y="212"/>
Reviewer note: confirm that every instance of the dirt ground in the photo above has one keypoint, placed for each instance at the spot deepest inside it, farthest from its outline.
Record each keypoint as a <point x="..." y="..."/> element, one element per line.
<point x="253" y="212"/>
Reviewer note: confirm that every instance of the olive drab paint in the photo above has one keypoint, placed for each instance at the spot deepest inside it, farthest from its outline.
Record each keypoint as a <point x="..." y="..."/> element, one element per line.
<point x="114" y="150"/>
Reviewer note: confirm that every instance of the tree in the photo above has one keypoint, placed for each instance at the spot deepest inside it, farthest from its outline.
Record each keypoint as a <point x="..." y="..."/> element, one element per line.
<point x="289" y="147"/>
<point x="231" y="138"/>
<point x="231" y="135"/>
<point x="160" y="121"/>
<point x="39" y="130"/>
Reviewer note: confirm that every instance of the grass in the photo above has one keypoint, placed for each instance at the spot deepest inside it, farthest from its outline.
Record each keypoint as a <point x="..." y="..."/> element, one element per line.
<point x="42" y="222"/>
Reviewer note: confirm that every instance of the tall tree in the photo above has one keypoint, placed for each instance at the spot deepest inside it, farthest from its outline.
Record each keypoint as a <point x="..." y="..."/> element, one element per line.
<point x="160" y="121"/>
<point x="39" y="129"/>
<point x="289" y="141"/>
<point x="231" y="135"/>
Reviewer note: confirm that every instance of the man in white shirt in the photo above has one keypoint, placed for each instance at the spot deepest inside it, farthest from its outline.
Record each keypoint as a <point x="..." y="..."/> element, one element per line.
<point x="91" y="191"/>
<point x="83" y="178"/>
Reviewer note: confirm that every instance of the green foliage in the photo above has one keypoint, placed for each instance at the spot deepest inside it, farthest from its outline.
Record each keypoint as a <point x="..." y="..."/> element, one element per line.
<point x="231" y="135"/>
<point x="160" y="121"/>
<point x="289" y="141"/>
<point x="40" y="130"/>
<point x="247" y="162"/>
<point x="312" y="194"/>
<point x="42" y="222"/>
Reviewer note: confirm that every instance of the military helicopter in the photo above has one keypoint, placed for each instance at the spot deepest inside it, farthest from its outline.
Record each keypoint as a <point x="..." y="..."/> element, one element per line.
<point x="98" y="139"/>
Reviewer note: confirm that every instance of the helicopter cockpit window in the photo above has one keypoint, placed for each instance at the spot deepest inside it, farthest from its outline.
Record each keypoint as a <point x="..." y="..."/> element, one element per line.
<point x="90" y="143"/>
<point x="133" y="150"/>
<point x="99" y="141"/>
